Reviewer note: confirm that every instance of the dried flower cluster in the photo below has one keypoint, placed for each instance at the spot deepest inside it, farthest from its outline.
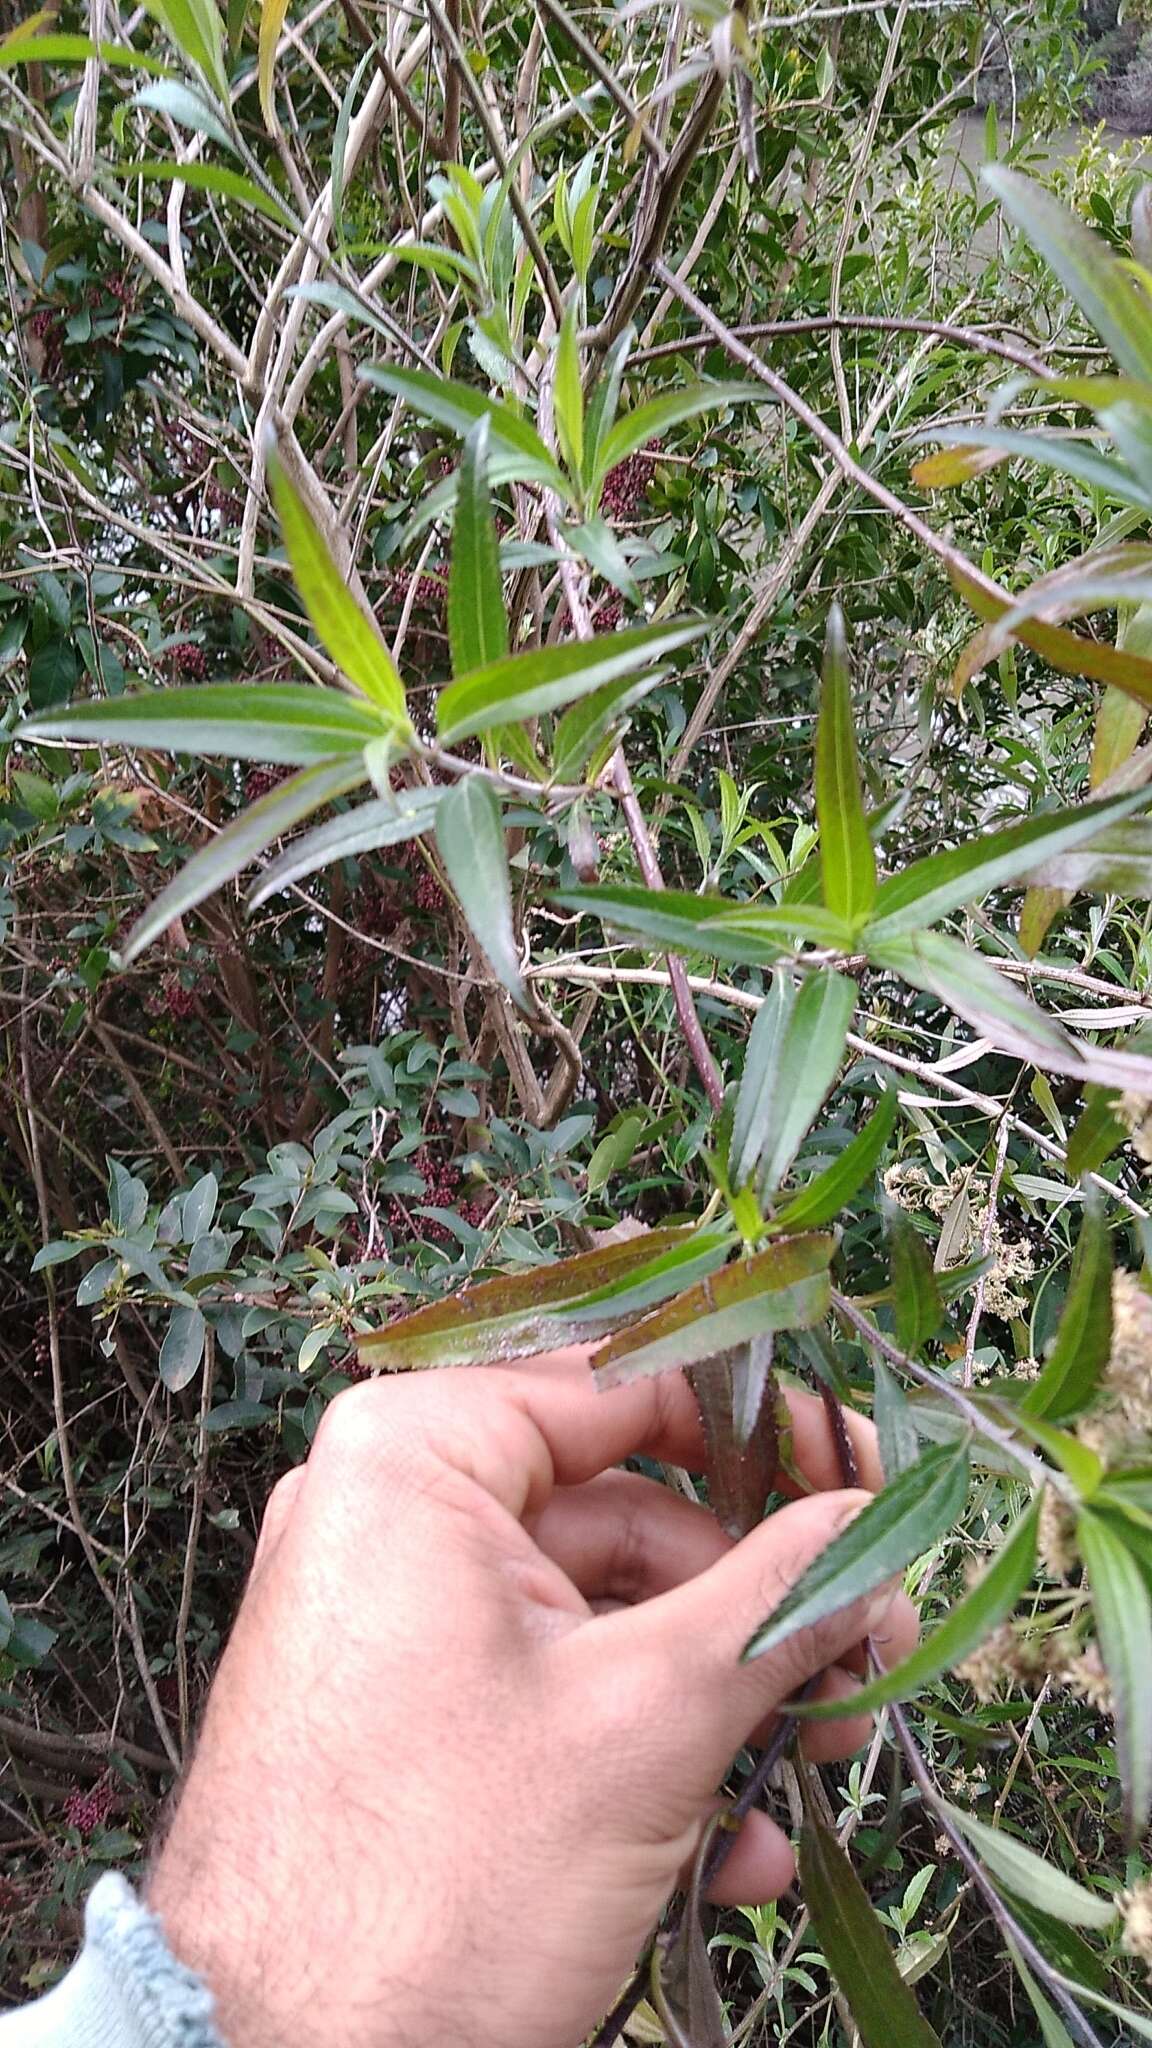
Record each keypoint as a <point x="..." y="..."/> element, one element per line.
<point x="1009" y="1660"/>
<point x="1135" y="1113"/>
<point x="1013" y="1263"/>
<point x="1136" y="1937"/>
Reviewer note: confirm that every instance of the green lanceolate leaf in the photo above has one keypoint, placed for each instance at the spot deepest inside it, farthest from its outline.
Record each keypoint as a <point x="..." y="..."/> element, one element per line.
<point x="930" y="888"/>
<point x="645" y="422"/>
<point x="1097" y="1133"/>
<point x="458" y="407"/>
<point x="390" y="821"/>
<point x="916" y="1309"/>
<point x="1084" y="1337"/>
<point x="757" y="1095"/>
<point x="896" y="1437"/>
<point x="242" y="841"/>
<point x="810" y="1061"/>
<point x="563" y="1303"/>
<point x="975" y="450"/>
<point x="684" y="923"/>
<point x="477" y="621"/>
<point x="970" y="985"/>
<point x="470" y="836"/>
<point x="785" y="1287"/>
<point x="848" y="864"/>
<point x="1101" y="285"/>
<point x="854" y="1941"/>
<point x="19" y="48"/>
<point x="582" y="729"/>
<point x="1029" y="1877"/>
<point x="966" y="1626"/>
<point x="1123" y="1613"/>
<point x="219" y="178"/>
<point x="909" y="1515"/>
<point x="349" y="636"/>
<point x="295" y="724"/>
<point x="544" y="678"/>
<point x="568" y="394"/>
<point x="824" y="1197"/>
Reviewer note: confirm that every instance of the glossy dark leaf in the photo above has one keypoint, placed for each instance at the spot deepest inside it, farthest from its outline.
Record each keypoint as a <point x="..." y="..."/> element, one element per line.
<point x="911" y="1513"/>
<point x="856" y="1945"/>
<point x="967" y="1624"/>
<point x="562" y="1303"/>
<point x="182" y="1349"/>
<point x="785" y="1287"/>
<point x="848" y="864"/>
<point x="1084" y="1338"/>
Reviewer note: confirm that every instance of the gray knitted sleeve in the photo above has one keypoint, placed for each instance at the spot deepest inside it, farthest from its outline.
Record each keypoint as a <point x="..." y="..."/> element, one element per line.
<point x="125" y="1989"/>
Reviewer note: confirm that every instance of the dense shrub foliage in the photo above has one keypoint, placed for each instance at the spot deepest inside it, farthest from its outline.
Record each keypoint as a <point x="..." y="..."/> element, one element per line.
<point x="575" y="630"/>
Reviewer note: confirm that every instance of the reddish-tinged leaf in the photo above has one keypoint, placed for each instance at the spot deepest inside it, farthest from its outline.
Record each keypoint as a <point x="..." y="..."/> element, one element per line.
<point x="785" y="1287"/>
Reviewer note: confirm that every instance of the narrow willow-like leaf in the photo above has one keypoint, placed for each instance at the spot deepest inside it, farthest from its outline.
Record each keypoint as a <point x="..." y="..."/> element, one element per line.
<point x="982" y="448"/>
<point x="1097" y="1133"/>
<point x="350" y="637"/>
<point x="736" y="1394"/>
<point x="827" y="1194"/>
<point x="684" y="923"/>
<point x="562" y="1303"/>
<point x="1102" y="286"/>
<point x="1122" y="1609"/>
<point x="295" y="724"/>
<point x="214" y="178"/>
<point x="582" y="728"/>
<point x="1021" y="1871"/>
<point x="810" y="1061"/>
<point x="909" y="1514"/>
<point x="1052" y="2027"/>
<point x="272" y="17"/>
<point x="965" y="1627"/>
<point x="568" y="394"/>
<point x="645" y="422"/>
<point x="757" y="1095"/>
<point x="241" y="842"/>
<point x="848" y="864"/>
<point x="896" y="1437"/>
<point x="20" y="47"/>
<point x="785" y="1287"/>
<point x="389" y="821"/>
<point x="459" y="406"/>
<point x="1084" y="1337"/>
<point x="340" y="146"/>
<point x="854" y="1941"/>
<point x="470" y="836"/>
<point x="543" y="679"/>
<point x="916" y="1309"/>
<point x="1068" y="652"/>
<point x="477" y="621"/>
<point x="971" y="986"/>
<point x="684" y="1990"/>
<point x="930" y="888"/>
<point x="197" y="29"/>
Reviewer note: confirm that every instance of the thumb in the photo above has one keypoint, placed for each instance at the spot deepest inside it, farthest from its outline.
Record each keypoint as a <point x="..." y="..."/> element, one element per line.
<point x="689" y="1642"/>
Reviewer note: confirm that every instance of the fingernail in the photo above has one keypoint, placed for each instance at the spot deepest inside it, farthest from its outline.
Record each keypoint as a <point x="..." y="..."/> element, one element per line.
<point x="880" y="1606"/>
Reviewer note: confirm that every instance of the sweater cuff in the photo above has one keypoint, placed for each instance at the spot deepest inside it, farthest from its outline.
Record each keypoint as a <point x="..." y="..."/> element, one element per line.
<point x="125" y="1989"/>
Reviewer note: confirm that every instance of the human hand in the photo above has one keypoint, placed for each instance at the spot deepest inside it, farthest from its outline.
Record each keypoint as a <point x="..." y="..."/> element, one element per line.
<point x="474" y="1712"/>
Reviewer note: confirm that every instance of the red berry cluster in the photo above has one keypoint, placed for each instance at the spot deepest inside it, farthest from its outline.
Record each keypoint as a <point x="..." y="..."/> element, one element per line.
<point x="47" y="327"/>
<point x="171" y="999"/>
<point x="428" y="895"/>
<point x="627" y="484"/>
<point x="115" y="286"/>
<point x="42" y="1342"/>
<point x="189" y="659"/>
<point x="228" y="503"/>
<point x="441" y="1187"/>
<point x="262" y="781"/>
<point x="429" y="592"/>
<point x="607" y="616"/>
<point x="87" y="1811"/>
